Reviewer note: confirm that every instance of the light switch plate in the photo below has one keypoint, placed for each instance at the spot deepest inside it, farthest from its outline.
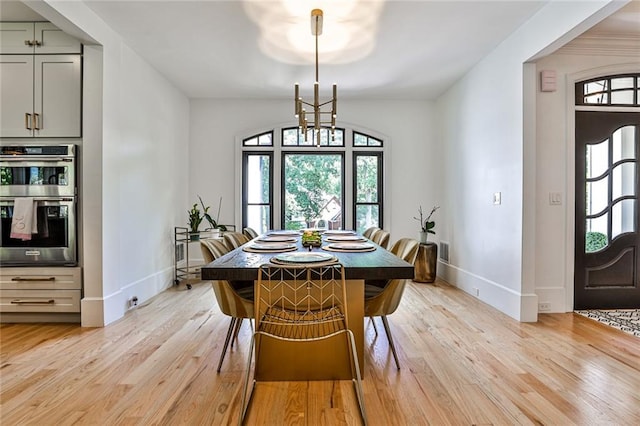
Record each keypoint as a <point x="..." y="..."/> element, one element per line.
<point x="555" y="198"/>
<point x="497" y="198"/>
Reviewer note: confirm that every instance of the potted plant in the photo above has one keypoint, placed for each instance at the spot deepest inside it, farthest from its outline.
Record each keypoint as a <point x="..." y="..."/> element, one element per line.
<point x="426" y="225"/>
<point x="196" y="217"/>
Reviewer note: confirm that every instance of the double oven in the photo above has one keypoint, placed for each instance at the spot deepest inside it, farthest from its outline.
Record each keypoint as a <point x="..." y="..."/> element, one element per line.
<point x="47" y="175"/>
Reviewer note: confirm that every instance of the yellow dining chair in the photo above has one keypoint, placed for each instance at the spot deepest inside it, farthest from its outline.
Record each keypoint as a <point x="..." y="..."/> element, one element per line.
<point x="234" y="240"/>
<point x="250" y="233"/>
<point x="380" y="237"/>
<point x="301" y="303"/>
<point x="367" y="232"/>
<point x="383" y="301"/>
<point x="233" y="301"/>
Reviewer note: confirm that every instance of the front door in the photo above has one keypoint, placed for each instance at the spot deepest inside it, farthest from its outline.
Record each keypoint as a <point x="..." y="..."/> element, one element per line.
<point x="607" y="244"/>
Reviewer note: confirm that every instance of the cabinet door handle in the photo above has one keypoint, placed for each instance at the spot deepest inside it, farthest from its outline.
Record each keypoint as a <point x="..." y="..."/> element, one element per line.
<point x="33" y="279"/>
<point x="28" y="43"/>
<point x="36" y="119"/>
<point x="27" y="121"/>
<point x="33" y="302"/>
<point x="37" y="43"/>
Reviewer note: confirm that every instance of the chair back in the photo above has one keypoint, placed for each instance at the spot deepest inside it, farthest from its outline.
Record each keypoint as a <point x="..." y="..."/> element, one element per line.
<point x="233" y="240"/>
<point x="301" y="302"/>
<point x="250" y="233"/>
<point x="212" y="249"/>
<point x="406" y="249"/>
<point x="387" y="301"/>
<point x="367" y="232"/>
<point x="381" y="237"/>
<point x="232" y="303"/>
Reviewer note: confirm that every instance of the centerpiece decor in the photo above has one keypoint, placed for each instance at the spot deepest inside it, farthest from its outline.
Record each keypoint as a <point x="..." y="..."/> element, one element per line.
<point x="311" y="239"/>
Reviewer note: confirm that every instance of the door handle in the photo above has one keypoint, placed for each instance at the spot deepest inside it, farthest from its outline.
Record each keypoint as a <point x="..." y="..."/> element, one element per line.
<point x="36" y="119"/>
<point x="33" y="302"/>
<point x="27" y="121"/>
<point x="33" y="279"/>
<point x="28" y="43"/>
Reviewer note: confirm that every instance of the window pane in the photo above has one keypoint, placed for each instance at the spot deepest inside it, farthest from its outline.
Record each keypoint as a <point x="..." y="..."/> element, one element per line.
<point x="367" y="216"/>
<point x="595" y="87"/>
<point x="596" y="229"/>
<point x="622" y="97"/>
<point x="622" y="83"/>
<point x="312" y="189"/>
<point x="367" y="179"/>
<point x="622" y="217"/>
<point x="375" y="142"/>
<point x="266" y="139"/>
<point x="623" y="180"/>
<point x="597" y="196"/>
<point x="624" y="143"/>
<point x="290" y="137"/>
<point x="600" y="98"/>
<point x="258" y="218"/>
<point x="250" y="142"/>
<point x="258" y="179"/>
<point x="359" y="139"/>
<point x="338" y="138"/>
<point x="597" y="159"/>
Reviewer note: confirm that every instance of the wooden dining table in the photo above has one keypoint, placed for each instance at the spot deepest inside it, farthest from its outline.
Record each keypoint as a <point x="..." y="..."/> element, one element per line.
<point x="284" y="361"/>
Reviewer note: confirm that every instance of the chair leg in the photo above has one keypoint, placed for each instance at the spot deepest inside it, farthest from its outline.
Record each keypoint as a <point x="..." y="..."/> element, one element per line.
<point x="374" y="325"/>
<point x="393" y="347"/>
<point x="245" y="407"/>
<point x="226" y="341"/>
<point x="236" y="331"/>
<point x="353" y="352"/>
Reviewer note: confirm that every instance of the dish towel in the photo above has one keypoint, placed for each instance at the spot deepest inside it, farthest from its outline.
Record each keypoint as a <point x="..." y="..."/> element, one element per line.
<point x="25" y="220"/>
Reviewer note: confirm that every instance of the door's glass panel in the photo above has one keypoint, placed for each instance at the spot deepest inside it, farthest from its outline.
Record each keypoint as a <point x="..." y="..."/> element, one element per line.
<point x="367" y="216"/>
<point x="623" y="180"/>
<point x="596" y="233"/>
<point x="597" y="159"/>
<point x="597" y="196"/>
<point x="34" y="175"/>
<point x="622" y="97"/>
<point x="595" y="87"/>
<point x="624" y="141"/>
<point x="623" y="215"/>
<point x="259" y="217"/>
<point x="622" y="83"/>
<point x="258" y="179"/>
<point x="600" y="98"/>
<point x="367" y="179"/>
<point x="312" y="186"/>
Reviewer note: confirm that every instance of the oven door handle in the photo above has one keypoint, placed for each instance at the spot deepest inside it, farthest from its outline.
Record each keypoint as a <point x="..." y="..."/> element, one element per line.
<point x="7" y="201"/>
<point x="35" y="161"/>
<point x="33" y="279"/>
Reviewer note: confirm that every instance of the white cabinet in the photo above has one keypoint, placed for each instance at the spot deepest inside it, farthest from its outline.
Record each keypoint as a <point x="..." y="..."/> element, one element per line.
<point x="41" y="95"/>
<point x="40" y="290"/>
<point x="35" y="38"/>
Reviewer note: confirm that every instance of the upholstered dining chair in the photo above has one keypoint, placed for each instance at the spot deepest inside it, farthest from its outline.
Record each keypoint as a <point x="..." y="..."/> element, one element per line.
<point x="383" y="301"/>
<point x="367" y="232"/>
<point x="250" y="233"/>
<point x="297" y="304"/>
<point x="380" y="237"/>
<point x="234" y="240"/>
<point x="233" y="301"/>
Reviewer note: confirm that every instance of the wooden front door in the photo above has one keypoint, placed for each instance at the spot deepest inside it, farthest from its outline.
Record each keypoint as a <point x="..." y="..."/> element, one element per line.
<point x="607" y="244"/>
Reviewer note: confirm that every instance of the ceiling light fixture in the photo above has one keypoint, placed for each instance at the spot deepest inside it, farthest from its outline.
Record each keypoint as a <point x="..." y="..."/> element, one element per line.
<point x="318" y="113"/>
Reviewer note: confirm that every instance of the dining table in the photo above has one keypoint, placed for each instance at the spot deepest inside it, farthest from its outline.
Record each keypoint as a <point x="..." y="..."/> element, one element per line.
<point x="284" y="360"/>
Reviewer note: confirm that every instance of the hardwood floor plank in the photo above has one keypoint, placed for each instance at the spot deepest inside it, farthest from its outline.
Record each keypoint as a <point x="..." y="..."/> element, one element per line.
<point x="462" y="362"/>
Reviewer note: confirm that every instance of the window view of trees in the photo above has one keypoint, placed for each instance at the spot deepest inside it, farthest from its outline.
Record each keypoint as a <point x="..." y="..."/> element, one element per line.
<point x="312" y="190"/>
<point x="367" y="190"/>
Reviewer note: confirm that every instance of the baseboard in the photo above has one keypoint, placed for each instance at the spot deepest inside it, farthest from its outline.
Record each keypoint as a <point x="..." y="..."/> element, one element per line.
<point x="522" y="307"/>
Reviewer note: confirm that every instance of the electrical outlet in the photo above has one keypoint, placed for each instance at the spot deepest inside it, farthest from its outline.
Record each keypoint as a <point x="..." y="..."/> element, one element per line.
<point x="544" y="306"/>
<point x="133" y="302"/>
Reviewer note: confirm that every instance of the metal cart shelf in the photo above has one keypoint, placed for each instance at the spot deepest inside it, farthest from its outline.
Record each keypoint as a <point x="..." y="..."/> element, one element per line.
<point x="183" y="270"/>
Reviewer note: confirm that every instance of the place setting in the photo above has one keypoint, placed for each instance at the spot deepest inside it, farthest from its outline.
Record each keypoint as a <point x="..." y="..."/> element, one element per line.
<point x="339" y="232"/>
<point x="350" y="247"/>
<point x="277" y="239"/>
<point x="269" y="247"/>
<point x="345" y="238"/>
<point x="303" y="258"/>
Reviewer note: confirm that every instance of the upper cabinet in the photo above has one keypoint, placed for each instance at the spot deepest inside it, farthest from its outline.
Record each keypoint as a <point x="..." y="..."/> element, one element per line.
<point x="35" y="38"/>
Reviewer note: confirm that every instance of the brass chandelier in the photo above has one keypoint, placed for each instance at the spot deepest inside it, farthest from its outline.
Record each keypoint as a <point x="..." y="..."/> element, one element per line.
<point x="320" y="120"/>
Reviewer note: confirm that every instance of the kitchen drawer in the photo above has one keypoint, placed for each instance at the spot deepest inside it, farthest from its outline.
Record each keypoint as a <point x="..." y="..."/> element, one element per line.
<point x="60" y="278"/>
<point x="39" y="300"/>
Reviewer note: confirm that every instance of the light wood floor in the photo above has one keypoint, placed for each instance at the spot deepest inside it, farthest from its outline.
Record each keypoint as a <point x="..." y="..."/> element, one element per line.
<point x="463" y="363"/>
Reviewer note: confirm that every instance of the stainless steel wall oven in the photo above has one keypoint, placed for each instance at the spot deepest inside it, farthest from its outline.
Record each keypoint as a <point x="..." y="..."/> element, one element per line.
<point x="47" y="175"/>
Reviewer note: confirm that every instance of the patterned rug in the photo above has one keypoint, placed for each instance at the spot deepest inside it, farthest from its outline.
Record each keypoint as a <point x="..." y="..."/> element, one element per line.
<point x="627" y="320"/>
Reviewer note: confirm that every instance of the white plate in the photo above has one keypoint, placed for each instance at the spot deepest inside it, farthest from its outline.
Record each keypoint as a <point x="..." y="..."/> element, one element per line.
<point x="339" y="232"/>
<point x="350" y="246"/>
<point x="271" y="246"/>
<point x="339" y="238"/>
<point x="283" y="233"/>
<point x="303" y="257"/>
<point x="277" y="239"/>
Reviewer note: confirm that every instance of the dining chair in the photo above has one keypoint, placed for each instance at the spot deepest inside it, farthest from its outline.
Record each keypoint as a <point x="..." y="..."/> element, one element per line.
<point x="367" y="232"/>
<point x="233" y="301"/>
<point x="380" y="237"/>
<point x="234" y="240"/>
<point x="301" y="303"/>
<point x="250" y="233"/>
<point x="383" y="301"/>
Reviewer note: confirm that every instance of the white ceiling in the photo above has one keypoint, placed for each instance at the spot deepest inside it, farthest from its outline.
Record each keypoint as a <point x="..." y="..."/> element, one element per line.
<point x="210" y="48"/>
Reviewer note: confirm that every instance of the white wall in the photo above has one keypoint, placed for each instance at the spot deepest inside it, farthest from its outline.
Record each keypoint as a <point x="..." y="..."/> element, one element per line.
<point x="413" y="174"/>
<point x="484" y="132"/>
<point x="555" y="152"/>
<point x="141" y="151"/>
